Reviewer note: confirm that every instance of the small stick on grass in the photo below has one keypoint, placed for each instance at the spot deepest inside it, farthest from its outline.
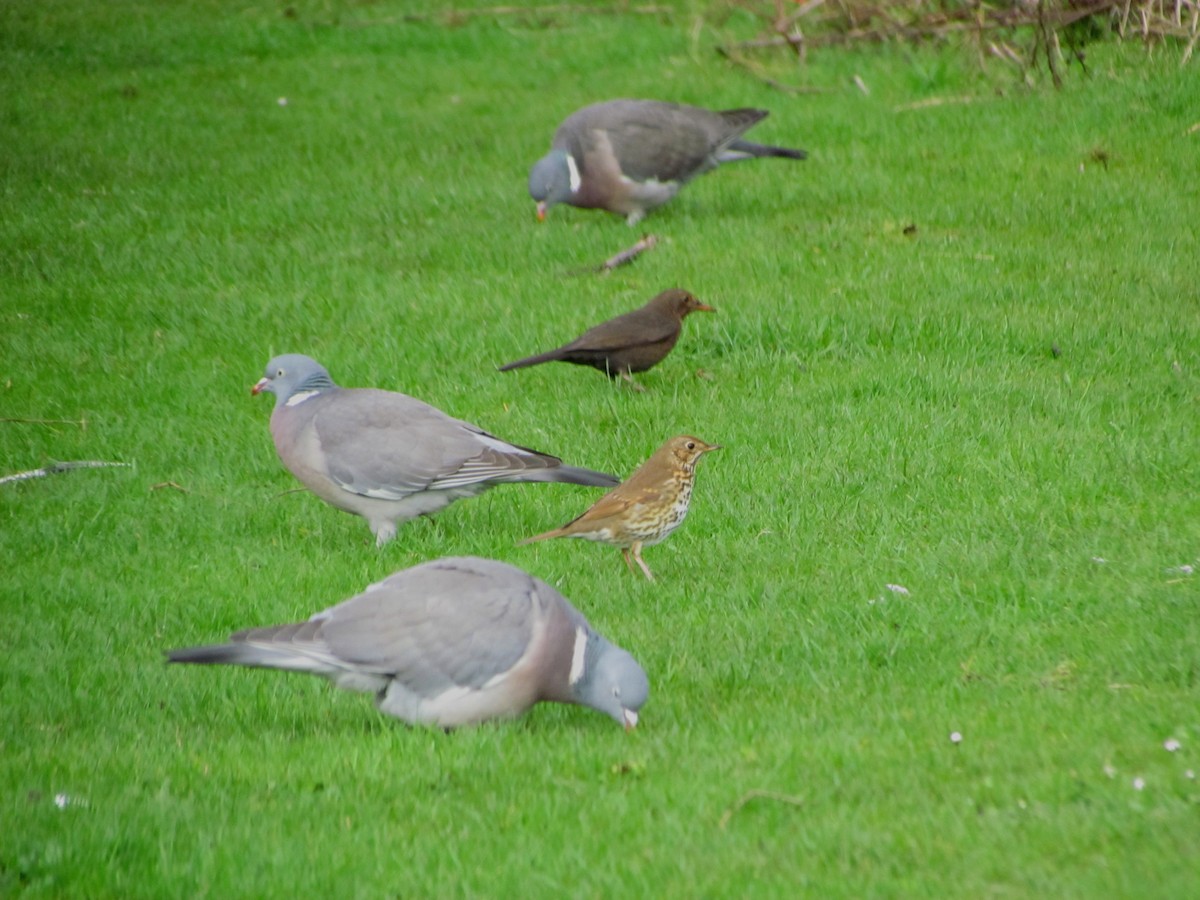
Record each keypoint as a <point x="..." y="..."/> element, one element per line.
<point x="757" y="794"/>
<point x="929" y="102"/>
<point x="60" y="467"/>
<point x="621" y="259"/>
<point x="173" y="485"/>
<point x="80" y="423"/>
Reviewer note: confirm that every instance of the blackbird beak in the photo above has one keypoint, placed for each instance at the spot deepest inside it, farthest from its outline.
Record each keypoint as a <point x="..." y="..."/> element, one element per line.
<point x="704" y="307"/>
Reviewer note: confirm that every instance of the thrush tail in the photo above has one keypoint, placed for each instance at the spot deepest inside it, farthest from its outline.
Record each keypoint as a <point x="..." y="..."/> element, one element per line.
<point x="548" y="356"/>
<point x="552" y="533"/>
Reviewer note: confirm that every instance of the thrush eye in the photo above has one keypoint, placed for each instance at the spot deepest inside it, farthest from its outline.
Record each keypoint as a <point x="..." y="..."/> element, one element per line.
<point x="691" y="445"/>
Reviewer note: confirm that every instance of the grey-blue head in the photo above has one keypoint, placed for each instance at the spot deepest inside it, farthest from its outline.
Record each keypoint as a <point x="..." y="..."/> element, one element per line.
<point x="291" y="374"/>
<point x="612" y="682"/>
<point x="553" y="179"/>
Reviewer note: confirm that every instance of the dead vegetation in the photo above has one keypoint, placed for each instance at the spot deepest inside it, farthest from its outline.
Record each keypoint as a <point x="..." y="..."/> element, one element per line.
<point x="1028" y="34"/>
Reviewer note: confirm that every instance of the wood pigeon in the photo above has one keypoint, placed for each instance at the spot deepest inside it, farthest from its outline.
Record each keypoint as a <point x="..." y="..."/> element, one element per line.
<point x="629" y="156"/>
<point x="451" y="642"/>
<point x="389" y="457"/>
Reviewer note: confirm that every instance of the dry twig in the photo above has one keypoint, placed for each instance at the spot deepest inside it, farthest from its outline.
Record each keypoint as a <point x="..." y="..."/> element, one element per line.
<point x="623" y="258"/>
<point x="59" y="467"/>
<point x="757" y="794"/>
<point x="930" y="102"/>
<point x="79" y="423"/>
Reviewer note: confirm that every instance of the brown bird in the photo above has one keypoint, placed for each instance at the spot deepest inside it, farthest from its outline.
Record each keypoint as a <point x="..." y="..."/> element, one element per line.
<point x="630" y="343"/>
<point x="644" y="509"/>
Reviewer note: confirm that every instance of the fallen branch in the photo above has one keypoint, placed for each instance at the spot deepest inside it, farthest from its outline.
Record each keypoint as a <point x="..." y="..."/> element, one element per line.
<point x="757" y="794"/>
<point x="60" y="467"/>
<point x="624" y="258"/>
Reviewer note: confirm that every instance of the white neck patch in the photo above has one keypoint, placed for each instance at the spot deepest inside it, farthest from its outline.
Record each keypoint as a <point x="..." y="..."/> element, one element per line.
<point x="299" y="397"/>
<point x="578" y="655"/>
<point x="573" y="172"/>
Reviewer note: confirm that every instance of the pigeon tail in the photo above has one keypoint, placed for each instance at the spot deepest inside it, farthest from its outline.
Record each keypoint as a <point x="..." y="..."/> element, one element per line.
<point x="749" y="150"/>
<point x="568" y="475"/>
<point x="253" y="655"/>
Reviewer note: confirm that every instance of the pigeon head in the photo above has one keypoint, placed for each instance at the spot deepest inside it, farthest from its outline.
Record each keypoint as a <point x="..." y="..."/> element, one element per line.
<point x="553" y="179"/>
<point x="612" y="682"/>
<point x="291" y="374"/>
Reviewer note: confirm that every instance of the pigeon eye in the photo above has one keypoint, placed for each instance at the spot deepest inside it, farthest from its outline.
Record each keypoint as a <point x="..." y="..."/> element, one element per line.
<point x="279" y="373"/>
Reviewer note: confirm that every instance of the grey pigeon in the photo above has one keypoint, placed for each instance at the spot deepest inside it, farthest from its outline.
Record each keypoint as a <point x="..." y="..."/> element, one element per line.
<point x="629" y="156"/>
<point x="450" y="642"/>
<point x="389" y="457"/>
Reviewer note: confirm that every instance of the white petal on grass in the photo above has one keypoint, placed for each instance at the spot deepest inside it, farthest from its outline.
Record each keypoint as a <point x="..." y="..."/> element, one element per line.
<point x="1099" y="559"/>
<point x="956" y="737"/>
<point x="62" y="801"/>
<point x="282" y="101"/>
<point x="897" y="589"/>
<point x="1189" y="774"/>
<point x="1171" y="745"/>
<point x="1110" y="770"/>
<point x="1139" y="783"/>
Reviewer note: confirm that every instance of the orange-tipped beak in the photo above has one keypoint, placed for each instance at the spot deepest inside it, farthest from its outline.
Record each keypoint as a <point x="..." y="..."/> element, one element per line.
<point x="631" y="719"/>
<point x="541" y="211"/>
<point x="704" y="307"/>
<point x="259" y="387"/>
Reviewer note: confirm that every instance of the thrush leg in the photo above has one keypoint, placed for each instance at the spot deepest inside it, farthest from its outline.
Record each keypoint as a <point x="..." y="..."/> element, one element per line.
<point x="625" y="376"/>
<point x="625" y="556"/>
<point x="637" y="555"/>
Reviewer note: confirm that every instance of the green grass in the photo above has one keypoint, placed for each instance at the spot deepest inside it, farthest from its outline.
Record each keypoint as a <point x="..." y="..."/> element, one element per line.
<point x="890" y="405"/>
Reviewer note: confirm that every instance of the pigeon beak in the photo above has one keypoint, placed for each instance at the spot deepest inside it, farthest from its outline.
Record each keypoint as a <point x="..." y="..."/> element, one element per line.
<point x="541" y="211"/>
<point x="259" y="387"/>
<point x="630" y="718"/>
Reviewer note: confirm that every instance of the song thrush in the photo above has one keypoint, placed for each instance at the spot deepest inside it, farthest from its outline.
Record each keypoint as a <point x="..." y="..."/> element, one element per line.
<point x="644" y="509"/>
<point x="633" y="342"/>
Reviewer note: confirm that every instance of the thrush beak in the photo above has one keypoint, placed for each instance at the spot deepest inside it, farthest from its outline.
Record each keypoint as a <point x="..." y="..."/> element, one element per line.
<point x="631" y="719"/>
<point x="541" y="210"/>
<point x="259" y="387"/>
<point x="713" y="447"/>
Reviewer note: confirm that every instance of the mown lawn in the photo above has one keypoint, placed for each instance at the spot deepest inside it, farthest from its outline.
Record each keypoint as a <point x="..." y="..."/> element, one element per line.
<point x="956" y="373"/>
